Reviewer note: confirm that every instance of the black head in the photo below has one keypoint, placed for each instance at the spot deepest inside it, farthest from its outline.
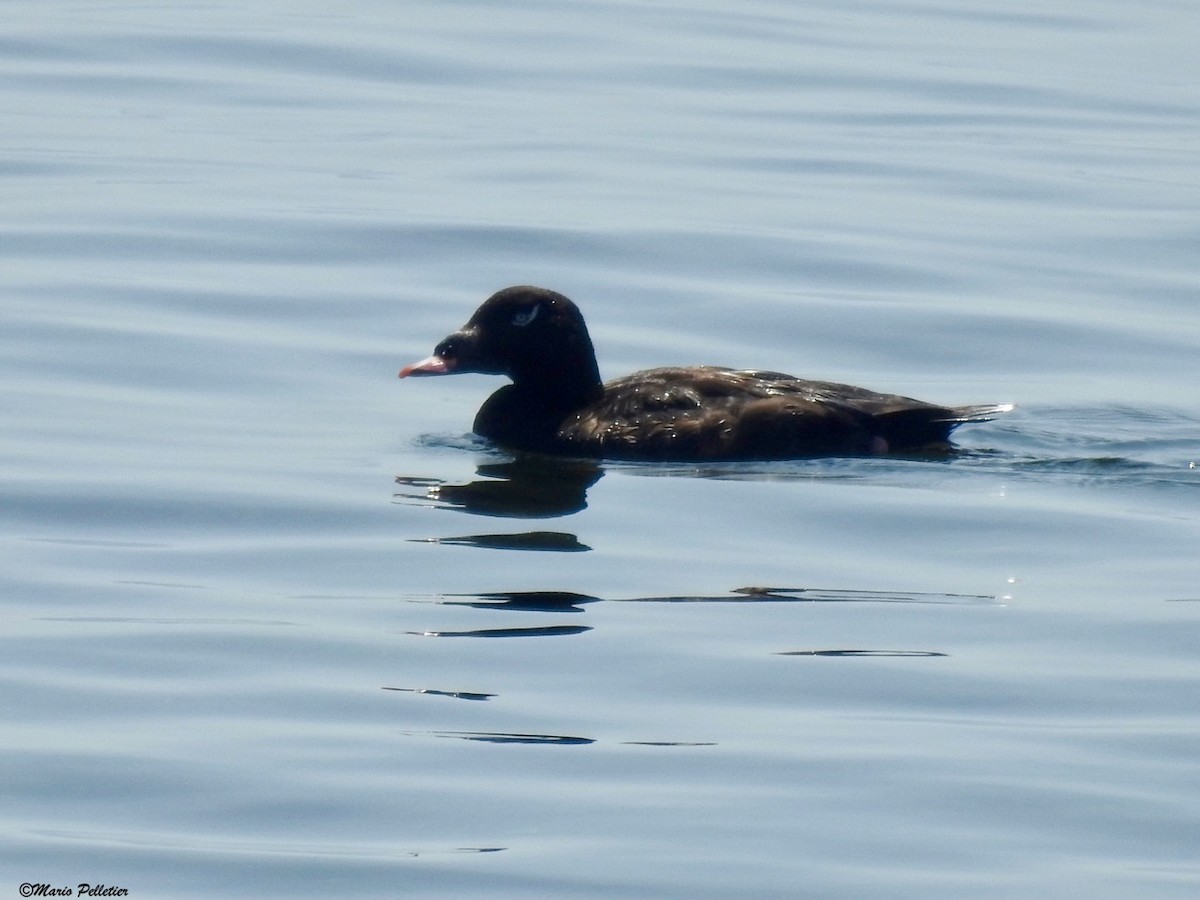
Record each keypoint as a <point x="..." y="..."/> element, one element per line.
<point x="535" y="336"/>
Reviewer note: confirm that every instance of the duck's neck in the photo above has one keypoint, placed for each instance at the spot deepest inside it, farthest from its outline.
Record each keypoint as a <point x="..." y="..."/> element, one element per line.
<point x="560" y="383"/>
<point x="527" y="414"/>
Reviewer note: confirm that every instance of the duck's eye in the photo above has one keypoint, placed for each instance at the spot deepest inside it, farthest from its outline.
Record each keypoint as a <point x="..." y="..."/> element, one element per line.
<point x="525" y="316"/>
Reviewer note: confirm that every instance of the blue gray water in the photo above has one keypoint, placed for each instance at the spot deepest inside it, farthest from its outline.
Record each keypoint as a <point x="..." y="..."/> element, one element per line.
<point x="276" y="625"/>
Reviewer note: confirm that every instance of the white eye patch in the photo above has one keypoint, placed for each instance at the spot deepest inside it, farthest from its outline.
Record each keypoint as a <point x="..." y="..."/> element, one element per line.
<point x="525" y="316"/>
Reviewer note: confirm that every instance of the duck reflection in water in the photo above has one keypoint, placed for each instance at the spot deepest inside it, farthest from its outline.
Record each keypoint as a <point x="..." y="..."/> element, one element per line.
<point x="528" y="487"/>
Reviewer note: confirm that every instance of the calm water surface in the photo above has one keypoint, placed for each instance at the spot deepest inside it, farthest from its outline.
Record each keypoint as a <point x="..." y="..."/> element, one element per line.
<point x="276" y="625"/>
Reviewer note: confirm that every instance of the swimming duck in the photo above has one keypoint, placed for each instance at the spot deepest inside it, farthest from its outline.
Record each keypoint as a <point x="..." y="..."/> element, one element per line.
<point x="557" y="403"/>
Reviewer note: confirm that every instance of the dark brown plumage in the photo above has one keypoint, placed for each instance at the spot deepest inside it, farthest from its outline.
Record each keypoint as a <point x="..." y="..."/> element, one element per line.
<point x="557" y="403"/>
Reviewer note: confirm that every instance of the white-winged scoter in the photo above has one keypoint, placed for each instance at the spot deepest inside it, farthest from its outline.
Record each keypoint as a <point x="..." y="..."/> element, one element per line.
<point x="558" y="404"/>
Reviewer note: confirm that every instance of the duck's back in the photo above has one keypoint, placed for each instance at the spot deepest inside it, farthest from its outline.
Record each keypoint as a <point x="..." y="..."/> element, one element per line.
<point x="717" y="413"/>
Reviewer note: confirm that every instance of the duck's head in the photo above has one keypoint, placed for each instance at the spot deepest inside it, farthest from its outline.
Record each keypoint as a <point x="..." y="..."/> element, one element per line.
<point x="531" y="334"/>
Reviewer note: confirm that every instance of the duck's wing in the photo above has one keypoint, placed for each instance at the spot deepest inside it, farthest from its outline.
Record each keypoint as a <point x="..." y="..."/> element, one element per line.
<point x="714" y="413"/>
<point x="878" y="404"/>
<point x="680" y="390"/>
<point x="708" y="412"/>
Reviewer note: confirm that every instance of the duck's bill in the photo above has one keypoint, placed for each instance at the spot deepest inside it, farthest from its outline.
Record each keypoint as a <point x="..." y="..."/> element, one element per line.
<point x="432" y="365"/>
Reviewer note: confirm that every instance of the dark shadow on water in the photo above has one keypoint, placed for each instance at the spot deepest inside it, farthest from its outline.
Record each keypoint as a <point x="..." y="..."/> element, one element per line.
<point x="543" y="541"/>
<point x="417" y="854"/>
<point x="500" y="737"/>
<point x="560" y="740"/>
<point x="525" y="601"/>
<point x="542" y="631"/>
<point x="430" y="692"/>
<point x="841" y="653"/>
<point x="569" y="601"/>
<point x="822" y="595"/>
